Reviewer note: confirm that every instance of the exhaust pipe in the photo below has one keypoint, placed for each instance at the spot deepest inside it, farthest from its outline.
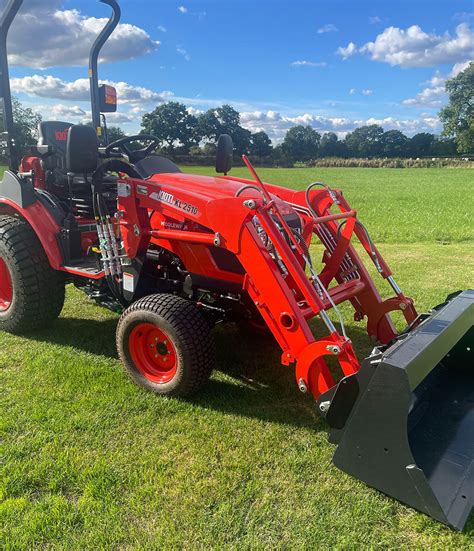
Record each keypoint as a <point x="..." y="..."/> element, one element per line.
<point x="404" y="423"/>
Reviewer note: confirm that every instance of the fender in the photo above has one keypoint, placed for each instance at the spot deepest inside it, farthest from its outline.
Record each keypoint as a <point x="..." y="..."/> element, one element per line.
<point x="19" y="191"/>
<point x="37" y="215"/>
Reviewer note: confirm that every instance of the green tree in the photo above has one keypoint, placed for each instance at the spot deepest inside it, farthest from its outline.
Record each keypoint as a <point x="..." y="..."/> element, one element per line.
<point x="115" y="133"/>
<point x="443" y="147"/>
<point x="25" y="127"/>
<point x="261" y="145"/>
<point x="208" y="127"/>
<point x="223" y="120"/>
<point x="331" y="146"/>
<point x="395" y="143"/>
<point x="172" y="125"/>
<point x="421" y="144"/>
<point x="458" y="115"/>
<point x="365" y="141"/>
<point x="209" y="148"/>
<point x="301" y="143"/>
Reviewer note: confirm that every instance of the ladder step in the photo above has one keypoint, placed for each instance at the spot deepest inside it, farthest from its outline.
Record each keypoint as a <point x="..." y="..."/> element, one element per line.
<point x="87" y="269"/>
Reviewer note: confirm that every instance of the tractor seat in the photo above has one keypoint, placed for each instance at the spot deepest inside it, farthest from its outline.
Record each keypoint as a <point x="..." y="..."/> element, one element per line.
<point x="154" y="164"/>
<point x="54" y="133"/>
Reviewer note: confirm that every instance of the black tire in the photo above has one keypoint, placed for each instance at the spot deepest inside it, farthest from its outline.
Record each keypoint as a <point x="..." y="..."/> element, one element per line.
<point x="38" y="290"/>
<point x="190" y="341"/>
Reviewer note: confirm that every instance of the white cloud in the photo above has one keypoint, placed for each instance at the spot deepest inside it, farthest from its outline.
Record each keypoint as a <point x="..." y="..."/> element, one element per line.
<point x="328" y="28"/>
<point x="44" y="35"/>
<point x="193" y="111"/>
<point x="348" y="51"/>
<point x="374" y="20"/>
<point x="78" y="90"/>
<point x="463" y="16"/>
<point x="276" y="124"/>
<point x="119" y="118"/>
<point x="128" y="93"/>
<point x="459" y="67"/>
<point x="434" y="95"/>
<point x="408" y="126"/>
<point x="431" y="96"/>
<point x="308" y="64"/>
<point x="366" y="92"/>
<point x="51" y="87"/>
<point x="414" y="47"/>
<point x="199" y="14"/>
<point x="162" y="29"/>
<point x="184" y="53"/>
<point x="67" y="112"/>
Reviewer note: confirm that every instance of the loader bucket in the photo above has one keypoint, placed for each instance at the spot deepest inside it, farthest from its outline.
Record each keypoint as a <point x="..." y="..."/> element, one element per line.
<point x="405" y="422"/>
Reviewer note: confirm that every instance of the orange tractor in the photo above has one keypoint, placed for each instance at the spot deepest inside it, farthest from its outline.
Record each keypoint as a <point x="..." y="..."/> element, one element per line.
<point x="177" y="253"/>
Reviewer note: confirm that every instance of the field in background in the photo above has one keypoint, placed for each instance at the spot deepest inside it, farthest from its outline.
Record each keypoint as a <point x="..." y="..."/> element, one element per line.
<point x="90" y="461"/>
<point x="397" y="206"/>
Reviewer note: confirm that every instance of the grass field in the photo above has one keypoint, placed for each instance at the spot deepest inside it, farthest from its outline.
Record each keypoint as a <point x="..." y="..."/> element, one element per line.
<point x="89" y="461"/>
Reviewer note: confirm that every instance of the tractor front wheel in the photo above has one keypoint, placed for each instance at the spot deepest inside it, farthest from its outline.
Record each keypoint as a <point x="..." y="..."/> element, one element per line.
<point x="165" y="345"/>
<point x="31" y="292"/>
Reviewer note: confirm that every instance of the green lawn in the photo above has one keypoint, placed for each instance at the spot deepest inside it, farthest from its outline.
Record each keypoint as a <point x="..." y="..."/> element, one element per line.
<point x="90" y="461"/>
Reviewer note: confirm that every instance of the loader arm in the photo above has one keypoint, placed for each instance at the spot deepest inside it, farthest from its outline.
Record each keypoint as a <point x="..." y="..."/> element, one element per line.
<point x="283" y="293"/>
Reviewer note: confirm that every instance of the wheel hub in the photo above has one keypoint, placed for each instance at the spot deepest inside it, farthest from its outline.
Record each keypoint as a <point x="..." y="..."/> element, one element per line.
<point x="153" y="353"/>
<point x="6" y="287"/>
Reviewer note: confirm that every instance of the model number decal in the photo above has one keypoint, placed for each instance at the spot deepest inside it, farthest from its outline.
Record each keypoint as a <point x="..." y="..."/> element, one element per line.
<point x="169" y="198"/>
<point x="187" y="207"/>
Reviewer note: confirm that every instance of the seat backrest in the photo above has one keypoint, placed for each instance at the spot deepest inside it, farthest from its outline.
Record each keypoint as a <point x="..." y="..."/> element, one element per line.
<point x="154" y="164"/>
<point x="54" y="133"/>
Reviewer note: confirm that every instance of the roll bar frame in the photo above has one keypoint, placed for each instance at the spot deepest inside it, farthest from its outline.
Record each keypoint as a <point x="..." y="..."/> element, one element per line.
<point x="93" y="62"/>
<point x="8" y="139"/>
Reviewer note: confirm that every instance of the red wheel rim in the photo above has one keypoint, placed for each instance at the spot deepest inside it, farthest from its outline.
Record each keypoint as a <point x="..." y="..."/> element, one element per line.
<point x="6" y="287"/>
<point x="153" y="353"/>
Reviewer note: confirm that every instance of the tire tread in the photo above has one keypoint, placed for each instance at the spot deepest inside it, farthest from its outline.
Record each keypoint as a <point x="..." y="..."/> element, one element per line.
<point x="192" y="330"/>
<point x="40" y="289"/>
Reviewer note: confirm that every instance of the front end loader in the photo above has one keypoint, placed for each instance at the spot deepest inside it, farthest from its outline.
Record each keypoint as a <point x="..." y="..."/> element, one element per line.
<point x="176" y="254"/>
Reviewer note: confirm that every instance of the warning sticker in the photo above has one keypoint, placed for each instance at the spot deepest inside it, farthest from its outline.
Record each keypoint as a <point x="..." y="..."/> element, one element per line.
<point x="129" y="283"/>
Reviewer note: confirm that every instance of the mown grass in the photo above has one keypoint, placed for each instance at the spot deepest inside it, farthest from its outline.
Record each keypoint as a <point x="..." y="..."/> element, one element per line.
<point x="398" y="206"/>
<point x="90" y="461"/>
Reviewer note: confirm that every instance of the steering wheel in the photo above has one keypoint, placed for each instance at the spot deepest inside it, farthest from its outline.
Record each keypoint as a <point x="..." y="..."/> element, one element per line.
<point x="134" y="154"/>
<point x="113" y="165"/>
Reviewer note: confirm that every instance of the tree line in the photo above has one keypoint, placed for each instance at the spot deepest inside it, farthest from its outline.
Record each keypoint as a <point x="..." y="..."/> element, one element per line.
<point x="181" y="132"/>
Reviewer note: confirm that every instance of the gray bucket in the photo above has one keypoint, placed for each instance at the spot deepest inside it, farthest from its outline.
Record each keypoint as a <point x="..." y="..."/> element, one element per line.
<point x="404" y="423"/>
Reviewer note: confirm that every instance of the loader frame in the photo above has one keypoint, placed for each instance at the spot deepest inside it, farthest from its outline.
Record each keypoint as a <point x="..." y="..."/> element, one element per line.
<point x="285" y="301"/>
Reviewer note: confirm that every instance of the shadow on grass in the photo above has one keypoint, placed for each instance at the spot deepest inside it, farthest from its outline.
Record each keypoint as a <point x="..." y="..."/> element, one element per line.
<point x="253" y="383"/>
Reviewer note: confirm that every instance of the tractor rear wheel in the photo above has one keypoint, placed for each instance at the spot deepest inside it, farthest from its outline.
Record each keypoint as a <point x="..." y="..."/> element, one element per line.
<point x="165" y="345"/>
<point x="31" y="292"/>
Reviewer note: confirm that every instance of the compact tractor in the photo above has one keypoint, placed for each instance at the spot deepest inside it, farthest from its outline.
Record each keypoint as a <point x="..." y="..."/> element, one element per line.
<point x="178" y="253"/>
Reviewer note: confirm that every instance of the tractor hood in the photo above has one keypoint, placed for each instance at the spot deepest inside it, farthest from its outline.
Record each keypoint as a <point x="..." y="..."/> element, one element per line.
<point x="193" y="188"/>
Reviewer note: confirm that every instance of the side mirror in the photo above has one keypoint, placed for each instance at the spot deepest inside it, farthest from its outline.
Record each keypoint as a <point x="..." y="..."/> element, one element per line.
<point x="82" y="150"/>
<point x="225" y="150"/>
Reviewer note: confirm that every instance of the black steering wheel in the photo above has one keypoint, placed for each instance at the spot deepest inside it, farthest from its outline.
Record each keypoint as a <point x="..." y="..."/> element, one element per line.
<point x="113" y="165"/>
<point x="134" y="155"/>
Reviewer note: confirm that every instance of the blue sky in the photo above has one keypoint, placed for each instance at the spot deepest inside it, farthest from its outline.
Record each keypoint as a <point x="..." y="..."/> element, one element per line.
<point x="331" y="64"/>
